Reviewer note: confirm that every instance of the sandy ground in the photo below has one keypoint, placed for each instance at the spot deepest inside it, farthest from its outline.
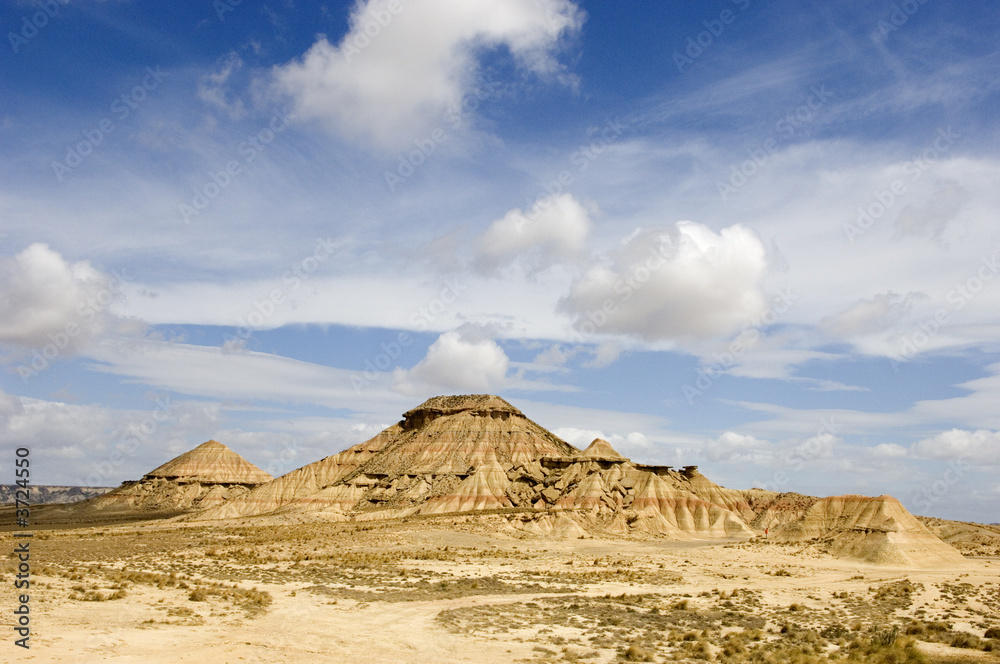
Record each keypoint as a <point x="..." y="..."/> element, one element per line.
<point x="377" y="595"/>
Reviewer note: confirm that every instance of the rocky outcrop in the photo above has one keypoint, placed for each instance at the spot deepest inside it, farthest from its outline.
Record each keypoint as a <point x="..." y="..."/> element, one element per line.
<point x="876" y="530"/>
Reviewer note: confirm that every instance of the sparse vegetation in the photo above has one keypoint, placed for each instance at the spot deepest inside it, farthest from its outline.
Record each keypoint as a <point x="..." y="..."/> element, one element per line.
<point x="556" y="604"/>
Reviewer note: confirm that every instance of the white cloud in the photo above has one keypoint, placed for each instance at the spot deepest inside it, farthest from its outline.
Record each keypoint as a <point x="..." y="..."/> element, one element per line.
<point x="687" y="282"/>
<point x="935" y="215"/>
<point x="578" y="438"/>
<point x="555" y="230"/>
<point x="886" y="451"/>
<point x="819" y="446"/>
<point x="208" y="371"/>
<point x="212" y="87"/>
<point x="48" y="302"/>
<point x="629" y="445"/>
<point x="10" y="405"/>
<point x="982" y="446"/>
<point x="555" y="355"/>
<point x="869" y="315"/>
<point x="734" y="447"/>
<point x="458" y="360"/>
<point x="605" y="355"/>
<point x="402" y="65"/>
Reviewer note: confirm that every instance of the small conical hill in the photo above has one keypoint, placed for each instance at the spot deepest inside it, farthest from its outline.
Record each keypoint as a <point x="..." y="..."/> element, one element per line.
<point x="208" y="475"/>
<point x="211" y="463"/>
<point x="600" y="449"/>
<point x="872" y="529"/>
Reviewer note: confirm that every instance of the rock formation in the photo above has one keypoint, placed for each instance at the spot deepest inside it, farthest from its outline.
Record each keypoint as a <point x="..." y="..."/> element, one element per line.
<point x="479" y="455"/>
<point x="875" y="530"/>
<point x="475" y="453"/>
<point x="205" y="476"/>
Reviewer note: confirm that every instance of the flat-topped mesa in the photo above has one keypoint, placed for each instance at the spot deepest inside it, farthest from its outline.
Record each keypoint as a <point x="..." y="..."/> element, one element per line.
<point x="662" y="471"/>
<point x="482" y="405"/>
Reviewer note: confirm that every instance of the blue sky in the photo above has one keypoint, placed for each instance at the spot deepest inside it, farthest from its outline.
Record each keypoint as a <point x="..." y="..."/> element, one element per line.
<point x="757" y="237"/>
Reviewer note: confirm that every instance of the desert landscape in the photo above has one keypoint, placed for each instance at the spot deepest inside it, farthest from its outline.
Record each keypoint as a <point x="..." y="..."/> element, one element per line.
<point x="466" y="532"/>
<point x="500" y="331"/>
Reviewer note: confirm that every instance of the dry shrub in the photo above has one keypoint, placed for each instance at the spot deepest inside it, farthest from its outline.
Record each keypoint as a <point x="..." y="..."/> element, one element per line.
<point x="635" y="653"/>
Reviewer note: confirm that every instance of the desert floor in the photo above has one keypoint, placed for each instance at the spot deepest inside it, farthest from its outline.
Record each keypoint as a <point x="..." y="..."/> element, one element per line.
<point x="446" y="589"/>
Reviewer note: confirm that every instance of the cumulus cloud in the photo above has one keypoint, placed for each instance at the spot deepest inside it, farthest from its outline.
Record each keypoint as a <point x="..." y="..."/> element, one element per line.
<point x="870" y="315"/>
<point x="462" y="360"/>
<point x="579" y="438"/>
<point x="402" y="65"/>
<point x="980" y="446"/>
<point x="687" y="282"/>
<point x="634" y="443"/>
<point x="819" y="446"/>
<point x="46" y="301"/>
<point x="555" y="230"/>
<point x="738" y="448"/>
<point x="10" y="405"/>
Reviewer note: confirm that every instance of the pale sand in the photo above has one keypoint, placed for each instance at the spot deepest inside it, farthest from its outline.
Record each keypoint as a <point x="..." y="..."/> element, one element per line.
<point x="306" y="626"/>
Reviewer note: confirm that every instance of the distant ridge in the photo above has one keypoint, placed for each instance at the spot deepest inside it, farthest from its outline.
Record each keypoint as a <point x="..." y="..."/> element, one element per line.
<point x="41" y="494"/>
